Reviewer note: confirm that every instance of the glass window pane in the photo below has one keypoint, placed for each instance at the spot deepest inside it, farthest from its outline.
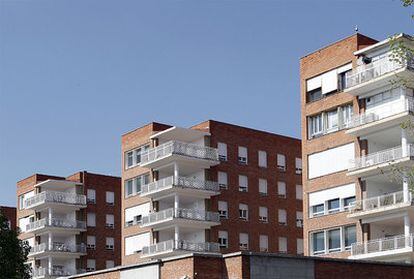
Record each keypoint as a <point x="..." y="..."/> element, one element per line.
<point x="333" y="205"/>
<point x="334" y="239"/>
<point x="350" y="235"/>
<point x="318" y="242"/>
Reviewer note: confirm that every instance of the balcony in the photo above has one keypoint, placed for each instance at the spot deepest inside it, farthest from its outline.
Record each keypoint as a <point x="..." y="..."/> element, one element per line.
<point x="179" y="151"/>
<point x="48" y="199"/>
<point x="375" y="206"/>
<point x="54" y="272"/>
<point x="397" y="113"/>
<point x="181" y="216"/>
<point x="396" y="247"/>
<point x="184" y="185"/>
<point x="377" y="74"/>
<point x="381" y="161"/>
<point x="57" y="250"/>
<point x="171" y="247"/>
<point x="62" y="225"/>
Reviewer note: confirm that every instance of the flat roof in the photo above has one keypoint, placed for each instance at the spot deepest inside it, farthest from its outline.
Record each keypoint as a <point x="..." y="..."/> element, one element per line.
<point x="382" y="43"/>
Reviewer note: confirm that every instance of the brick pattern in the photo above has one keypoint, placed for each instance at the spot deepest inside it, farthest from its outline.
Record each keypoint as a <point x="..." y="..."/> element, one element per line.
<point x="10" y="214"/>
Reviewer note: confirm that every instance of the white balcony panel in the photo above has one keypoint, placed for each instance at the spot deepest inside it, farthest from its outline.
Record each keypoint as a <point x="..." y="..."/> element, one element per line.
<point x="180" y="134"/>
<point x="41" y="272"/>
<point x="172" y="247"/>
<point x="63" y="226"/>
<point x="57" y="250"/>
<point x="55" y="199"/>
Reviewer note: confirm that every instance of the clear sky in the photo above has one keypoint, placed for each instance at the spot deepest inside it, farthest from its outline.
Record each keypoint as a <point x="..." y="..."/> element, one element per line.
<point x="75" y="75"/>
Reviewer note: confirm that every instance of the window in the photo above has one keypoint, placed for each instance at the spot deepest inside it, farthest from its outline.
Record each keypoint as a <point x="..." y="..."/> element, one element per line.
<point x="243" y="183"/>
<point x="223" y="239"/>
<point x="91" y="242"/>
<point x="91" y="196"/>
<point x="318" y="241"/>
<point x="263" y="214"/>
<point x="133" y="157"/>
<point x="110" y="264"/>
<point x="91" y="219"/>
<point x="263" y="243"/>
<point x="342" y="80"/>
<point x="133" y="215"/>
<point x="282" y="217"/>
<point x="318" y="210"/>
<point x="348" y="202"/>
<point x="299" y="192"/>
<point x="133" y="186"/>
<point x="315" y="126"/>
<point x="110" y="198"/>
<point x="281" y="162"/>
<point x="346" y="115"/>
<point x="329" y="121"/>
<point x="109" y="221"/>
<point x="222" y="150"/>
<point x="262" y="159"/>
<point x="222" y="209"/>
<point x="262" y="187"/>
<point x="299" y="219"/>
<point x="21" y="202"/>
<point x="282" y="245"/>
<point x="299" y="246"/>
<point x="332" y="121"/>
<point x="298" y="165"/>
<point x="242" y="158"/>
<point x="129" y="187"/>
<point x="334" y="240"/>
<point x="243" y="241"/>
<point x="333" y="206"/>
<point x="109" y="243"/>
<point x="90" y="265"/>
<point x="222" y="180"/>
<point x="314" y="95"/>
<point x="350" y="236"/>
<point x="243" y="211"/>
<point x="129" y="159"/>
<point x="134" y="244"/>
<point x="281" y="189"/>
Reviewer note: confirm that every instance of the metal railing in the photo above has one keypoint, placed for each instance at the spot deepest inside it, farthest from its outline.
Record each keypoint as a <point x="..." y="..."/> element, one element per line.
<point x="379" y="202"/>
<point x="406" y="105"/>
<point x="183" y="213"/>
<point x="365" y="73"/>
<point x="58" y="247"/>
<point x="55" y="271"/>
<point x="57" y="223"/>
<point x="382" y="244"/>
<point x="56" y="197"/>
<point x="171" y="245"/>
<point x="183" y="182"/>
<point x="380" y="157"/>
<point x="180" y="148"/>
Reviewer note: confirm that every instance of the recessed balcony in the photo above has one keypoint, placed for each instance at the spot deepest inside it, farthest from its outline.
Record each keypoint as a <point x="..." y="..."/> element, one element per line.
<point x="183" y="185"/>
<point x="181" y="216"/>
<point x="59" y="250"/>
<point x="54" y="199"/>
<point x="172" y="247"/>
<point x="186" y="153"/>
<point x="62" y="225"/>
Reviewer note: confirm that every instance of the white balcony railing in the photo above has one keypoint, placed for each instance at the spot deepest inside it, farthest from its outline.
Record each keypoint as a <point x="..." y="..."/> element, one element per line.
<point x="183" y="182"/>
<point x="41" y="272"/>
<point x="183" y="213"/>
<point x="58" y="247"/>
<point x="406" y="105"/>
<point x="380" y="157"/>
<point x="373" y="70"/>
<point x="378" y="202"/>
<point x="57" y="223"/>
<point x="55" y="197"/>
<point x="171" y="245"/>
<point x="382" y="245"/>
<point x="180" y="148"/>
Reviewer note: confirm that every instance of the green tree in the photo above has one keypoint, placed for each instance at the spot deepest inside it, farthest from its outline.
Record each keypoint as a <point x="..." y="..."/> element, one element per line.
<point x="13" y="253"/>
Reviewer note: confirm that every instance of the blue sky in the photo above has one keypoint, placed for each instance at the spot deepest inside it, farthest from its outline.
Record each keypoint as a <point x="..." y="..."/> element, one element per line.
<point x="75" y="75"/>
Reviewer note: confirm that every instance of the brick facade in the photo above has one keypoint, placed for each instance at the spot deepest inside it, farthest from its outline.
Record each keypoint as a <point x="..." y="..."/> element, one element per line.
<point x="10" y="214"/>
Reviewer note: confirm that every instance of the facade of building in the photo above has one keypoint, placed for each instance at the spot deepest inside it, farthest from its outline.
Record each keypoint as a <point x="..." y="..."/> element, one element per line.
<point x="10" y="214"/>
<point x="72" y="224"/>
<point x="357" y="154"/>
<point x="212" y="188"/>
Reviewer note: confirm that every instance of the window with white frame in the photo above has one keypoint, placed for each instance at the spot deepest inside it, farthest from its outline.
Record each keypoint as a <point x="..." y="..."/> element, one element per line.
<point x="243" y="183"/>
<point x="91" y="219"/>
<point x="24" y="197"/>
<point x="90" y="265"/>
<point x="262" y="159"/>
<point x="350" y="236"/>
<point x="299" y="192"/>
<point x="110" y="198"/>
<point x="242" y="155"/>
<point x="299" y="246"/>
<point x="282" y="245"/>
<point x="243" y="241"/>
<point x="133" y="186"/>
<point x="109" y="221"/>
<point x="91" y="242"/>
<point x="333" y="240"/>
<point x="109" y="243"/>
<point x="243" y="211"/>
<point x="263" y="243"/>
<point x="281" y="162"/>
<point x="262" y="187"/>
<point x="223" y="239"/>
<point x="134" y="214"/>
<point x="222" y="151"/>
<point x="349" y="202"/>
<point x="282" y="217"/>
<point x="318" y="210"/>
<point x="299" y="219"/>
<point x="110" y="264"/>
<point x="263" y="214"/>
<point x="222" y="180"/>
<point x="133" y="157"/>
<point x="281" y="189"/>
<point x="298" y="165"/>
<point x="318" y="243"/>
<point x="333" y="206"/>
<point x="91" y="195"/>
<point x="223" y="210"/>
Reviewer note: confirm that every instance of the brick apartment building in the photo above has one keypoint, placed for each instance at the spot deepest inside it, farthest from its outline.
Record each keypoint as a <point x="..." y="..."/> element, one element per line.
<point x="10" y="214"/>
<point x="72" y="224"/>
<point x="214" y="187"/>
<point x="352" y="140"/>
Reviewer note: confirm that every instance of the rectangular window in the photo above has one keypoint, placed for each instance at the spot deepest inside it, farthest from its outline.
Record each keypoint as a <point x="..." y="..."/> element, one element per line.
<point x="222" y="150"/>
<point x="222" y="180"/>
<point x="223" y="239"/>
<point x="299" y="219"/>
<point x="91" y="196"/>
<point x="263" y="243"/>
<point x="110" y="198"/>
<point x="348" y="202"/>
<point x="314" y="95"/>
<point x="133" y="186"/>
<point x="282" y="245"/>
<point x="243" y="241"/>
<point x="298" y="165"/>
<point x="315" y="126"/>
<point x="318" y="210"/>
<point x="129" y="188"/>
<point x="110" y="264"/>
<point x="133" y="157"/>
<point x="282" y="217"/>
<point x="109" y="243"/>
<point x="242" y="157"/>
<point x="281" y="162"/>
<point x="243" y="183"/>
<point x="90" y="265"/>
<point x="91" y="242"/>
<point x="223" y="210"/>
<point x="109" y="221"/>
<point x="263" y="214"/>
<point x="334" y="240"/>
<point x="333" y="206"/>
<point x="243" y="211"/>
<point x="21" y="202"/>
<point x="318" y="241"/>
<point x="129" y="159"/>
<point x="299" y="192"/>
<point x="262" y="187"/>
<point x="299" y="246"/>
<point x="262" y="159"/>
<point x="350" y="236"/>
<point x="133" y="215"/>
<point x="91" y="219"/>
<point x="281" y="189"/>
<point x="331" y="121"/>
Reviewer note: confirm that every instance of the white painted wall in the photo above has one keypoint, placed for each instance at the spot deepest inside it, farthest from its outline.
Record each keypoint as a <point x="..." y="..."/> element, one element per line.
<point x="343" y="191"/>
<point x="148" y="271"/>
<point x="136" y="242"/>
<point x="131" y="212"/>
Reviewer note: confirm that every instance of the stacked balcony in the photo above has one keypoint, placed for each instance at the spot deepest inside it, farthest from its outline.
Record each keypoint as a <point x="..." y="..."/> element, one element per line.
<point x="55" y="224"/>
<point x="54" y="272"/>
<point x="57" y="250"/>
<point x="179" y="246"/>
<point x="48" y="199"/>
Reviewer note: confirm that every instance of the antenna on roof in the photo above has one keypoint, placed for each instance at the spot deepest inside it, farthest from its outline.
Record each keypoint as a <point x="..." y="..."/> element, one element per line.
<point x="356" y="28"/>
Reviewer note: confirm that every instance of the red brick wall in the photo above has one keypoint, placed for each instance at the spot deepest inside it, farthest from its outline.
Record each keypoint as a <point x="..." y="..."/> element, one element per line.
<point x="177" y="269"/>
<point x="10" y="214"/>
